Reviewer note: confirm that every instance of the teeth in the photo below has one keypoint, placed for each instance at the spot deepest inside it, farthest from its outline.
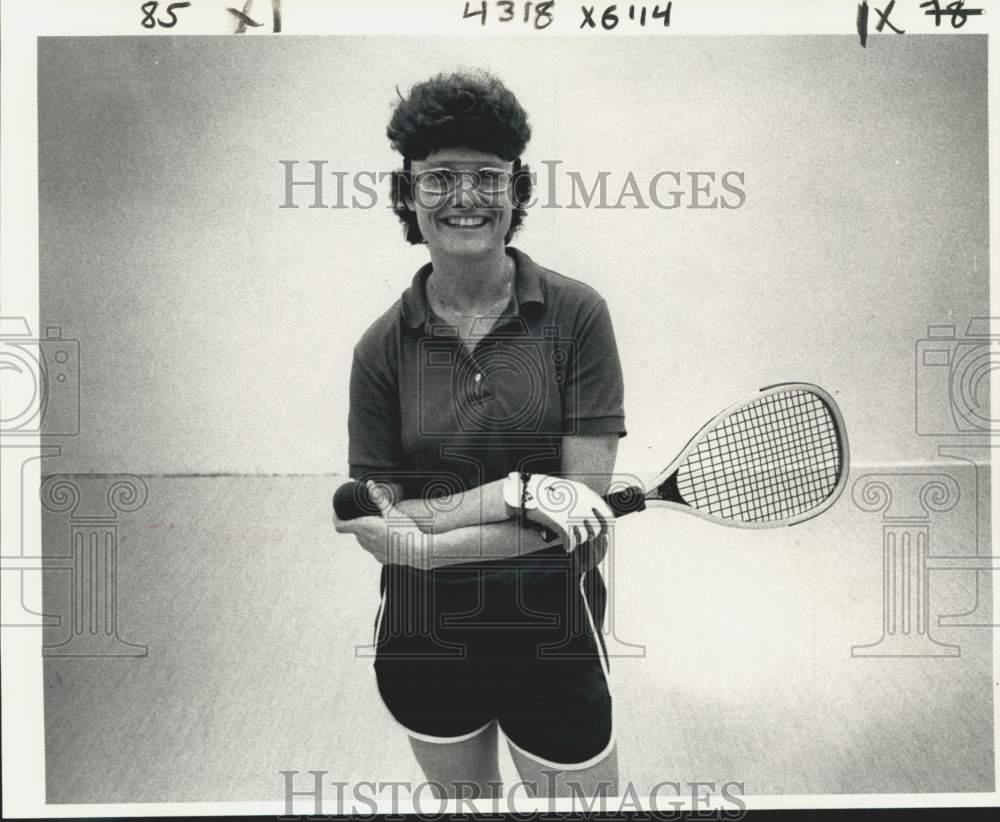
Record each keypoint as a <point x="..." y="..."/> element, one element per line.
<point x="466" y="221"/>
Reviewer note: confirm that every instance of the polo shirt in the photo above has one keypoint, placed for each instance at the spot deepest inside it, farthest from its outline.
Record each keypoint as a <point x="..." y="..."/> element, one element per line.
<point x="429" y="414"/>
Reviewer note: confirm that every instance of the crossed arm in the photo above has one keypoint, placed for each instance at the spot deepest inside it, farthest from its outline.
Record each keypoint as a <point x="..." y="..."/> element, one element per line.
<point x="475" y="525"/>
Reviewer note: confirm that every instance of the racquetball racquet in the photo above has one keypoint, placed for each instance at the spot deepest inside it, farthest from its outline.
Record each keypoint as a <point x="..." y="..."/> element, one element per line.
<point x="775" y="458"/>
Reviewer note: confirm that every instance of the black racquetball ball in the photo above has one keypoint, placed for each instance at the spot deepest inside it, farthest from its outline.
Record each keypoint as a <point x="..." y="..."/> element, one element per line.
<point x="352" y="500"/>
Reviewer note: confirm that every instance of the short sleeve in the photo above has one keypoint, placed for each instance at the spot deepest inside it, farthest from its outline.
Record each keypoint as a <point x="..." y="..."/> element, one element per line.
<point x="373" y="422"/>
<point x="594" y="393"/>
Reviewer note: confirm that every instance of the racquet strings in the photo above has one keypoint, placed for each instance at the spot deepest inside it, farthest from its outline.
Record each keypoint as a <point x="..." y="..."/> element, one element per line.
<point x="775" y="458"/>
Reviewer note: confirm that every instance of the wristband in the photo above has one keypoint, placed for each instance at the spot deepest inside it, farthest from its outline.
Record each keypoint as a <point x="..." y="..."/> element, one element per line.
<point x="525" y="497"/>
<point x="512" y="493"/>
<point x="519" y="499"/>
<point x="516" y="495"/>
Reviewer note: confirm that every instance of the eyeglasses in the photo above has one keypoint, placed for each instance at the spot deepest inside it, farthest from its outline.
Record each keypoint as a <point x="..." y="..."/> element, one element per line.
<point x="435" y="182"/>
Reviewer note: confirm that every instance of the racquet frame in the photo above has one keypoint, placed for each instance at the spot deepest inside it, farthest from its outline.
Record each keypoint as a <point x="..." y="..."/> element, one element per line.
<point x="663" y="488"/>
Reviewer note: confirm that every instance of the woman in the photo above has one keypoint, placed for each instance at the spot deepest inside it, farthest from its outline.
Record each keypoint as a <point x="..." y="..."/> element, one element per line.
<point x="485" y="413"/>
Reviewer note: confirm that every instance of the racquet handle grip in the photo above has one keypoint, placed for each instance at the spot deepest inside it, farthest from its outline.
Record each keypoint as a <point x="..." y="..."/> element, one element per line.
<point x="352" y="500"/>
<point x="627" y="501"/>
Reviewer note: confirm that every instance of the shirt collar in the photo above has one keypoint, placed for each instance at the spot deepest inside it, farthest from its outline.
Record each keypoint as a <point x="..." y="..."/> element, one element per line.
<point x="527" y="289"/>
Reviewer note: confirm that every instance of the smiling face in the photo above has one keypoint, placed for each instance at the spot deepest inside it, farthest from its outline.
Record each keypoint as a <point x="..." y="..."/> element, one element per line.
<point x="466" y="221"/>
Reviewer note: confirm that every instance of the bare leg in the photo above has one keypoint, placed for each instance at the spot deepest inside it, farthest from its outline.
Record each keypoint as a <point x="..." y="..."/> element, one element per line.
<point x="548" y="780"/>
<point x="468" y="769"/>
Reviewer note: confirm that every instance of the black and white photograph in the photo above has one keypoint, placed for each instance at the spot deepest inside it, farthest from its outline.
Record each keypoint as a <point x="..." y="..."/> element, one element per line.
<point x="509" y="406"/>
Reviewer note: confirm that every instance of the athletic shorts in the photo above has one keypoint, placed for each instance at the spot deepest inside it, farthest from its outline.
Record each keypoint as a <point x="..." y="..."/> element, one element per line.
<point x="524" y="649"/>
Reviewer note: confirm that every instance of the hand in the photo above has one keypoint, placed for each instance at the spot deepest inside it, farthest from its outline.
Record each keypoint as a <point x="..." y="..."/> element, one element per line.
<point x="575" y="512"/>
<point x="393" y="538"/>
<point x="591" y="554"/>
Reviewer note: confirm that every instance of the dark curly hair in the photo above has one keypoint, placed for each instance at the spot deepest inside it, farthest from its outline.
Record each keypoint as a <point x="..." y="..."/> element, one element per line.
<point x="464" y="109"/>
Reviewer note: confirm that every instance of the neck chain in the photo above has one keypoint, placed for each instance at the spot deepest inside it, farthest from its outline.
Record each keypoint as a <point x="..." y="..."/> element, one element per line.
<point x="488" y="311"/>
